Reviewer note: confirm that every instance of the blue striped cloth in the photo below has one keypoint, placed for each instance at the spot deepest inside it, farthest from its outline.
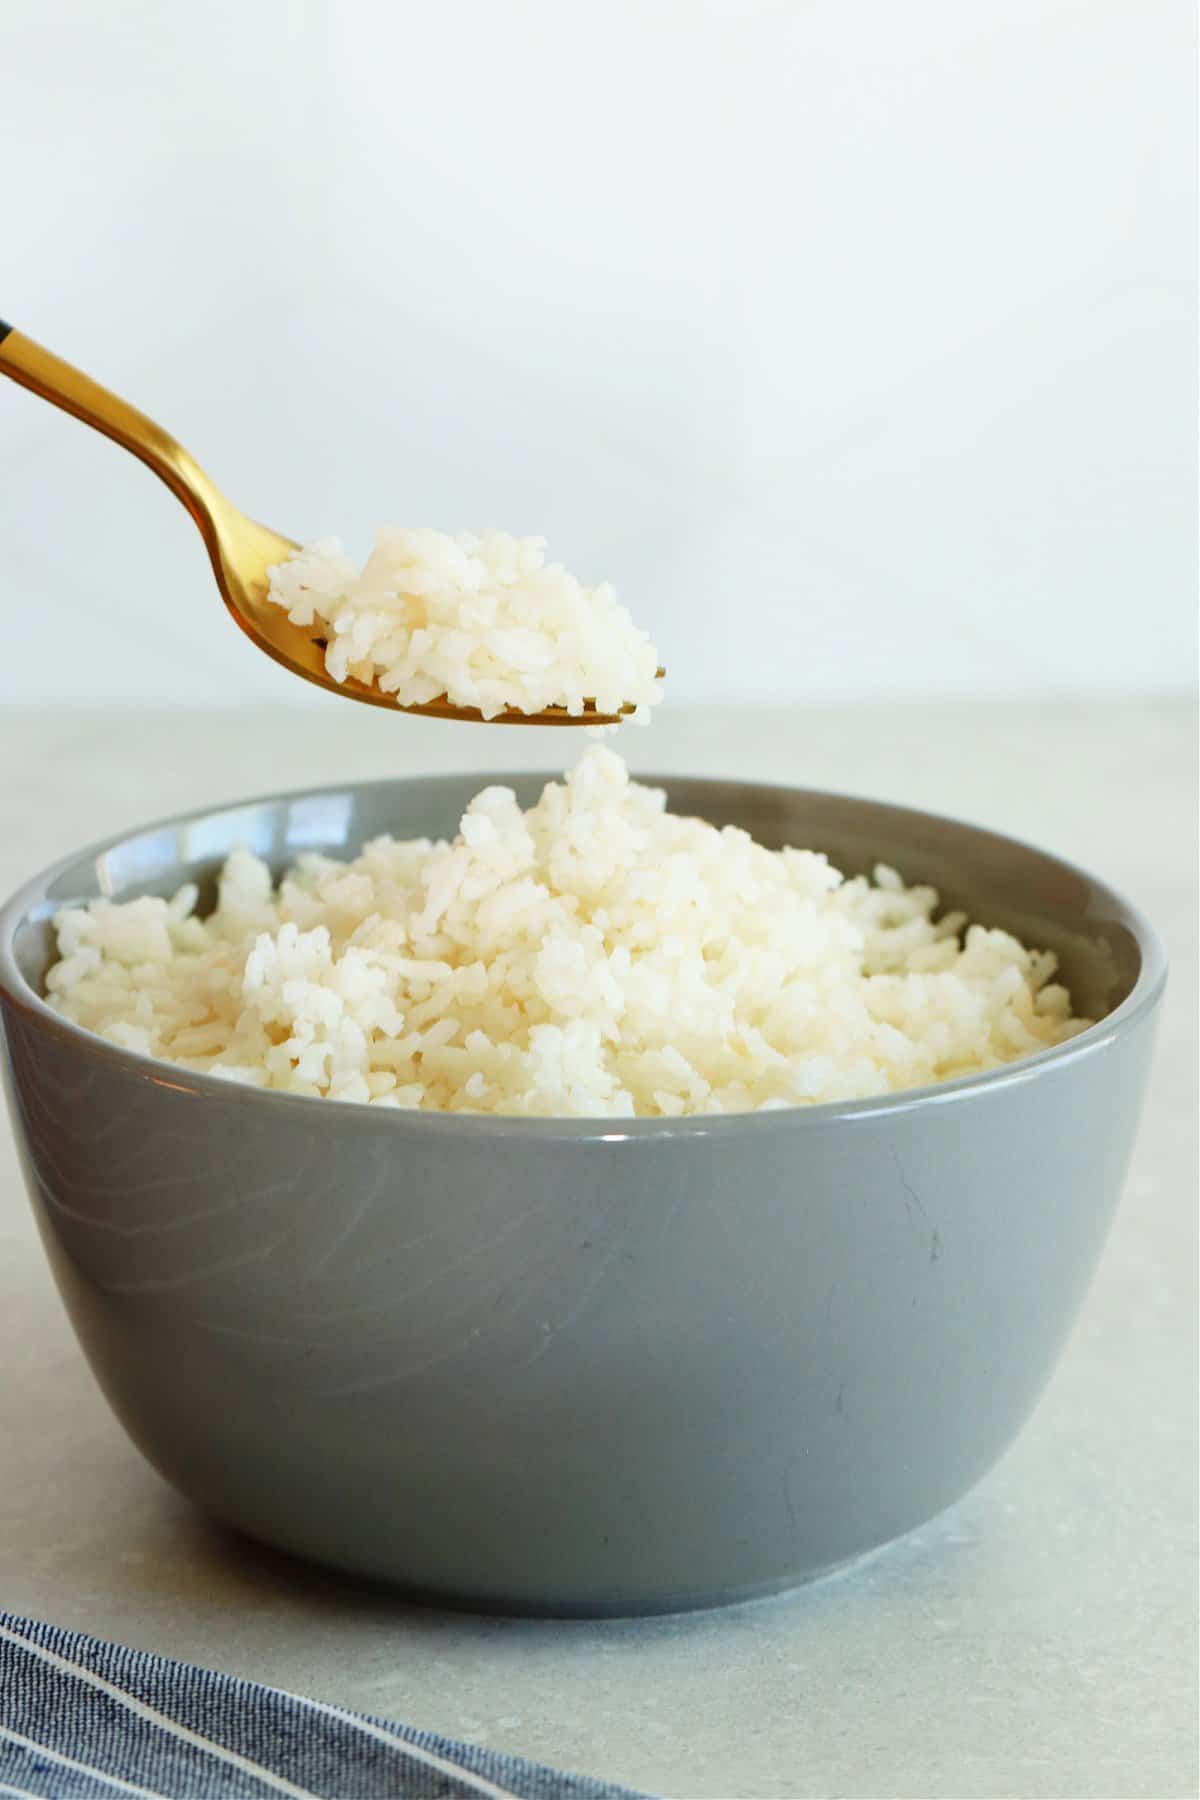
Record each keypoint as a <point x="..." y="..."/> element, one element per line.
<point x="86" y="1720"/>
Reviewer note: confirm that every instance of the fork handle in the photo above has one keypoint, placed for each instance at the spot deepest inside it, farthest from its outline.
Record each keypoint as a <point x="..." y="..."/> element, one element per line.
<point x="46" y="375"/>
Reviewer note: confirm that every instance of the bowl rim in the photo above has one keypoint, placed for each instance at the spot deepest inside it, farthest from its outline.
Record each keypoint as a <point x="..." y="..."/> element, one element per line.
<point x="202" y="1087"/>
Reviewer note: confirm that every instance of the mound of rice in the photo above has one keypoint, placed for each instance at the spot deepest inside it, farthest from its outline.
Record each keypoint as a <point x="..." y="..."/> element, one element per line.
<point x="480" y="617"/>
<point x="595" y="955"/>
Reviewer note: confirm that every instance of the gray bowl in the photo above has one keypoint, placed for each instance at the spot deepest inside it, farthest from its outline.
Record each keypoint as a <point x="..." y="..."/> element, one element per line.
<point x="579" y="1367"/>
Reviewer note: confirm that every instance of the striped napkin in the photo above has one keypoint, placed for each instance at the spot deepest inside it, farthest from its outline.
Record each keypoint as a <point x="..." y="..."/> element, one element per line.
<point x="85" y="1720"/>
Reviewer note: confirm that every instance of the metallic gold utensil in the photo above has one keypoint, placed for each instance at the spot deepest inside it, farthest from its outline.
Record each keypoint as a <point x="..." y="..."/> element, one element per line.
<point x="240" y="550"/>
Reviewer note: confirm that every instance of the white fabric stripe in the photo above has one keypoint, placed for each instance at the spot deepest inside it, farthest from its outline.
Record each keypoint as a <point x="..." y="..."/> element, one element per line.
<point x="430" y="1758"/>
<point x="183" y="1732"/>
<point x="20" y="1793"/>
<point x="68" y="1762"/>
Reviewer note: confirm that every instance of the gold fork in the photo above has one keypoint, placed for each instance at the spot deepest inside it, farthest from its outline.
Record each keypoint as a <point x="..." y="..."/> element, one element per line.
<point x="240" y="550"/>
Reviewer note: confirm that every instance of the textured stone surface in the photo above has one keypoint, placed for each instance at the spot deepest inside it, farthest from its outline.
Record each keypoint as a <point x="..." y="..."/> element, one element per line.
<point x="1037" y="1640"/>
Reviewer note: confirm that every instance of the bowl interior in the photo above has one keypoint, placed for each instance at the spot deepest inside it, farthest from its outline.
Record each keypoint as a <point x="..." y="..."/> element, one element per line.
<point x="996" y="880"/>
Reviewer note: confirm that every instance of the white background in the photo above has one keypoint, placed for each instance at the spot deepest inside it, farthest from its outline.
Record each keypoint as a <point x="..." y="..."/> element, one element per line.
<point x="854" y="340"/>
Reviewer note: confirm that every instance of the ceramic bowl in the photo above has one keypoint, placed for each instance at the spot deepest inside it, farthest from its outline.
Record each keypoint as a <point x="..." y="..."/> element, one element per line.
<point x="575" y="1366"/>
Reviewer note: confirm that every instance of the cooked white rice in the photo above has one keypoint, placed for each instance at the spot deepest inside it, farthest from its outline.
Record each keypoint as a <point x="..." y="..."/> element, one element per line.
<point x="481" y="618"/>
<point x="595" y="955"/>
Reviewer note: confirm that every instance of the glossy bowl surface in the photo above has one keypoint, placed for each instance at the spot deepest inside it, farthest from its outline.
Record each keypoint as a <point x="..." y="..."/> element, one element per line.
<point x="579" y="1366"/>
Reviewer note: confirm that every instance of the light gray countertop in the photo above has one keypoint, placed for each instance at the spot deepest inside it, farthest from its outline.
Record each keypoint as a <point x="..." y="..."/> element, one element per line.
<point x="1037" y="1640"/>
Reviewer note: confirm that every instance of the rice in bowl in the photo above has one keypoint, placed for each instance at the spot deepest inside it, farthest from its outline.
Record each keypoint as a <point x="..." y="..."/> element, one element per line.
<point x="595" y="955"/>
